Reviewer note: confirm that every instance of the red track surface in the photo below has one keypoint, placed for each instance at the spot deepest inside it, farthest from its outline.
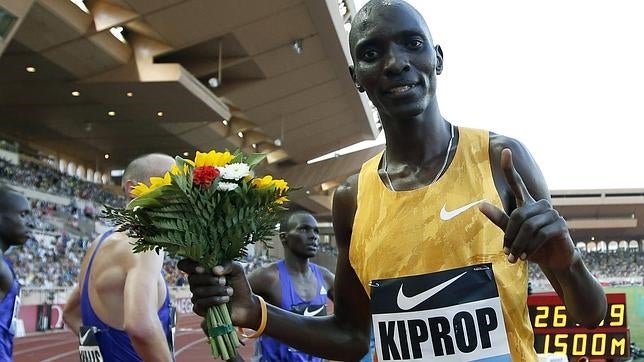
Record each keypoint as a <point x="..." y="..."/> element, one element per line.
<point x="63" y="346"/>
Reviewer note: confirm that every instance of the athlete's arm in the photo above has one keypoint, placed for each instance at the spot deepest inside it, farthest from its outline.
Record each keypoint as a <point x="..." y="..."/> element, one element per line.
<point x="72" y="311"/>
<point x="342" y="336"/>
<point x="6" y="278"/>
<point x="140" y="307"/>
<point x="329" y="280"/>
<point x="535" y="231"/>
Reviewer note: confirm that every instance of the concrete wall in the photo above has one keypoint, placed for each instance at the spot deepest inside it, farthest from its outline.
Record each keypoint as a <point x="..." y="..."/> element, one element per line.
<point x="19" y="8"/>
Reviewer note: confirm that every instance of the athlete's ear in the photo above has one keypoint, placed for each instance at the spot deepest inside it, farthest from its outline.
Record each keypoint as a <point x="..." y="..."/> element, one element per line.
<point x="127" y="188"/>
<point x="352" y="71"/>
<point x="439" y="59"/>
<point x="282" y="237"/>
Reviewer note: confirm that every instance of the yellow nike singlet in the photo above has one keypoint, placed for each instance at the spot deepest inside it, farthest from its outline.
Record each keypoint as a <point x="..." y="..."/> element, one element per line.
<point x="439" y="227"/>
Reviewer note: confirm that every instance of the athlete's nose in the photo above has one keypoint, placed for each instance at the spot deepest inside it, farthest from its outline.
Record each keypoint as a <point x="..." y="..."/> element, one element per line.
<point x="396" y="61"/>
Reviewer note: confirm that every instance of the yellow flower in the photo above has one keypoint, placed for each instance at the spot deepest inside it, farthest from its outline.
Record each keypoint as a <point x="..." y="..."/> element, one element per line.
<point x="155" y="182"/>
<point x="212" y="158"/>
<point x="280" y="185"/>
<point x="265" y="181"/>
<point x="140" y="189"/>
<point x="176" y="171"/>
<point x="281" y="200"/>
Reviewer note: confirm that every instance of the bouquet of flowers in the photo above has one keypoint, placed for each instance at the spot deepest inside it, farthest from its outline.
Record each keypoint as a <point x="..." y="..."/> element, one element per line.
<point x="207" y="209"/>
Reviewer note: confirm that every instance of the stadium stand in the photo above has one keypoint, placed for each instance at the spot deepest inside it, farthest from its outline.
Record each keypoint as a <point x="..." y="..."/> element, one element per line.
<point x="611" y="268"/>
<point x="44" y="178"/>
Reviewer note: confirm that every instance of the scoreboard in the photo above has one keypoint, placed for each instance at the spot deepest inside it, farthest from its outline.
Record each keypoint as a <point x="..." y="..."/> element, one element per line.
<point x="556" y="332"/>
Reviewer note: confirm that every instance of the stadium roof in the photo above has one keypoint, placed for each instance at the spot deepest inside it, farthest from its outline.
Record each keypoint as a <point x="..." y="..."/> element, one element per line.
<point x="595" y="215"/>
<point x="281" y="66"/>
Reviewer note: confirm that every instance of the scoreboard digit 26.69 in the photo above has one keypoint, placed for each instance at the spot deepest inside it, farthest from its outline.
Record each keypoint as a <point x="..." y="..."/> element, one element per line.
<point x="556" y="332"/>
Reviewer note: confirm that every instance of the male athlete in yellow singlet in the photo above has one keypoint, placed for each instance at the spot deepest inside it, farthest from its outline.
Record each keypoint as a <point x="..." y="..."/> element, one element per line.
<point x="434" y="233"/>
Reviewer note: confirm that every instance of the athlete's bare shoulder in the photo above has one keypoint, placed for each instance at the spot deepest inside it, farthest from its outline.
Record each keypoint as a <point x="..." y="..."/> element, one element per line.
<point x="498" y="142"/>
<point x="346" y="196"/>
<point x="267" y="273"/>
<point x="6" y="278"/>
<point x="264" y="279"/>
<point x="524" y="163"/>
<point x="349" y="187"/>
<point x="120" y="244"/>
<point x="117" y="249"/>
<point x="345" y="201"/>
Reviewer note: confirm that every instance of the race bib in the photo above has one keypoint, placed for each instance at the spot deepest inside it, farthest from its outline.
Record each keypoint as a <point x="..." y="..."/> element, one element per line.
<point x="88" y="345"/>
<point x="452" y="315"/>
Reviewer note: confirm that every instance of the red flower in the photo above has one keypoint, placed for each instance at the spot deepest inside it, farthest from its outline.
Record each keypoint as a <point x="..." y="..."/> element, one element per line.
<point x="204" y="175"/>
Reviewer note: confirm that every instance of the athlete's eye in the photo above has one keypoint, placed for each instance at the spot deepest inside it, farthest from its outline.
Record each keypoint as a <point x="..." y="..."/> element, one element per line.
<point x="415" y="43"/>
<point x="369" y="55"/>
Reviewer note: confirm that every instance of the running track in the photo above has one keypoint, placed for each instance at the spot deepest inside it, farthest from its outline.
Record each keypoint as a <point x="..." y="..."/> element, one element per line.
<point x="62" y="346"/>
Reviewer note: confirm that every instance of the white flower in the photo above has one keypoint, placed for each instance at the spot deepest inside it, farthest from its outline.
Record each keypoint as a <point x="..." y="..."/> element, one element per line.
<point x="226" y="186"/>
<point x="234" y="171"/>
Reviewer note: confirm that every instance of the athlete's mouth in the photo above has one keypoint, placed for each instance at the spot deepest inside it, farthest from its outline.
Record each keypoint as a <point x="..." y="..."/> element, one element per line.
<point x="28" y="234"/>
<point x="400" y="89"/>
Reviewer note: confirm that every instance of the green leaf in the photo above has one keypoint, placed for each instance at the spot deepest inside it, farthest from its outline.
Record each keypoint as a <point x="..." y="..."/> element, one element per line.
<point x="255" y="159"/>
<point x="148" y="200"/>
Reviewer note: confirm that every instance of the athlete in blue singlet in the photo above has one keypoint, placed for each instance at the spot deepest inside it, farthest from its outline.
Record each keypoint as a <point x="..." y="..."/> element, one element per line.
<point x="120" y="309"/>
<point x="115" y="343"/>
<point x="294" y="283"/>
<point x="13" y="232"/>
<point x="274" y="350"/>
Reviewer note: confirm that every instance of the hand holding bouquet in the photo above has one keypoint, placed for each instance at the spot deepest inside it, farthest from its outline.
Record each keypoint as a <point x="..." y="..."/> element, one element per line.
<point x="207" y="210"/>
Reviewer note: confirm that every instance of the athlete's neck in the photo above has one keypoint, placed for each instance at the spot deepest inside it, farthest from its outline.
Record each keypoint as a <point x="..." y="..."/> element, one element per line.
<point x="297" y="265"/>
<point x="416" y="141"/>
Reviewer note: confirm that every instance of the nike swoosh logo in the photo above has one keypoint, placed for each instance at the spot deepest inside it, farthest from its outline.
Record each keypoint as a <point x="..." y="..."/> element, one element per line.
<point x="313" y="313"/>
<point x="448" y="215"/>
<point x="84" y="337"/>
<point x="407" y="303"/>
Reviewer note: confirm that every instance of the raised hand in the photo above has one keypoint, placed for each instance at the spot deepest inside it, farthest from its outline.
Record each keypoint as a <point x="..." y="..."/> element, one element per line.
<point x="534" y="230"/>
<point x="209" y="288"/>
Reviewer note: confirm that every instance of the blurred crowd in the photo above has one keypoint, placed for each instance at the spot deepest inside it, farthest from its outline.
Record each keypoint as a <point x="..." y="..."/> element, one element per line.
<point x="617" y="267"/>
<point x="47" y="179"/>
<point x="47" y="262"/>
<point x="619" y="263"/>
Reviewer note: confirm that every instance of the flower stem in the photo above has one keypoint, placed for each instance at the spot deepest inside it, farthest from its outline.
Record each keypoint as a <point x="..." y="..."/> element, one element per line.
<point x="223" y="345"/>
<point x="225" y="337"/>
<point x="219" y="340"/>
<point x="233" y="335"/>
<point x="211" y="323"/>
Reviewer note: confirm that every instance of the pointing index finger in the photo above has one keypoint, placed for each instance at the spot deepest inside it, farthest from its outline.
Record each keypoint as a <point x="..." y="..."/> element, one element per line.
<point x="514" y="179"/>
<point x="496" y="215"/>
